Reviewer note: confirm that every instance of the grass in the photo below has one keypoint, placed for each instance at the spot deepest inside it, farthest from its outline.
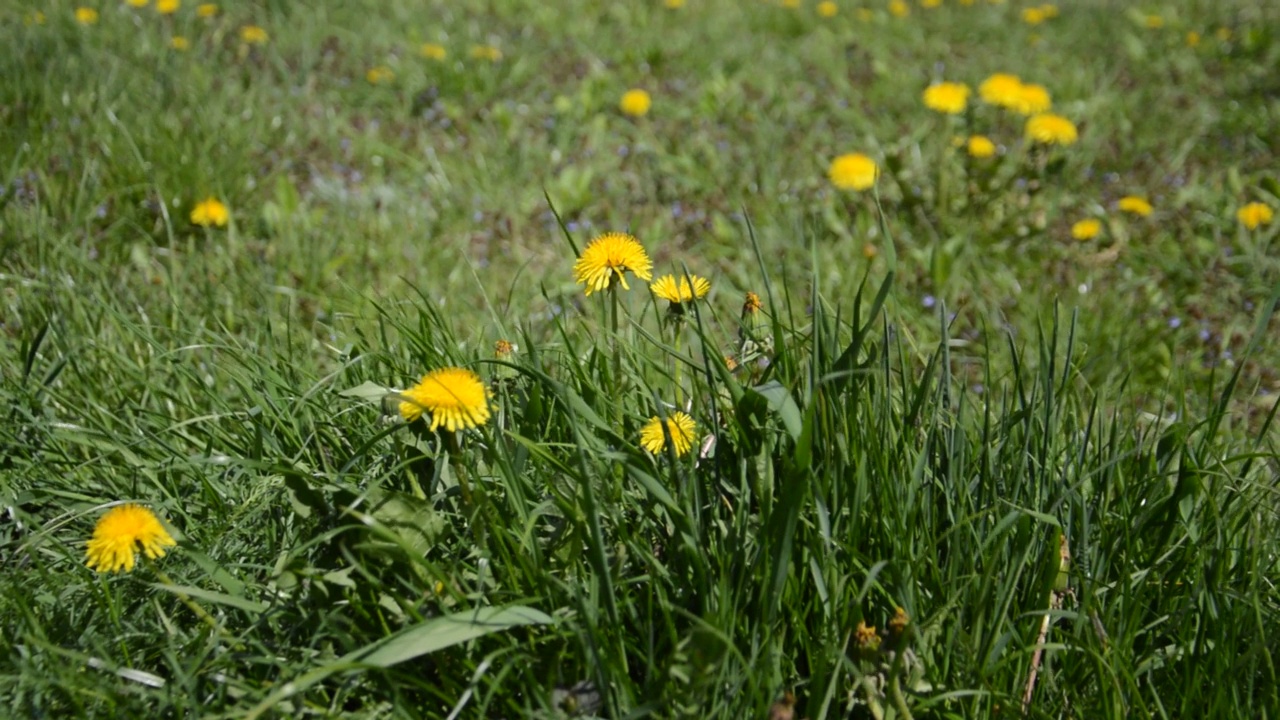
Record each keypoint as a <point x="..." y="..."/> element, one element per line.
<point x="1057" y="458"/>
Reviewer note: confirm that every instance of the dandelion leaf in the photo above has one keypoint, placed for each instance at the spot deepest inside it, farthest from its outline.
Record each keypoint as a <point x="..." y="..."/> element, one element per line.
<point x="781" y="402"/>
<point x="443" y="632"/>
<point x="368" y="391"/>
<point x="413" y="520"/>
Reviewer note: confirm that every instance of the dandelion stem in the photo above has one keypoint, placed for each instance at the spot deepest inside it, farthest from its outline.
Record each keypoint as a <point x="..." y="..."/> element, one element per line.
<point x="184" y="598"/>
<point x="473" y="502"/>
<point x="459" y="469"/>
<point x="896" y="696"/>
<point x="944" y="190"/>
<point x="675" y="343"/>
<point x="617" y="356"/>
<point x="899" y="700"/>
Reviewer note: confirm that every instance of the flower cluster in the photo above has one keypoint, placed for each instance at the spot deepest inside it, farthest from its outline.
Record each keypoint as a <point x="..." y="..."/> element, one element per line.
<point x="1090" y="228"/>
<point x="603" y="266"/>
<point x="456" y="399"/>
<point x="1008" y="91"/>
<point x="858" y="172"/>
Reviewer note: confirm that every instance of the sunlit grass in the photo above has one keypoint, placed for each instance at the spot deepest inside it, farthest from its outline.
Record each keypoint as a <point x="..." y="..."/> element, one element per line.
<point x="957" y="429"/>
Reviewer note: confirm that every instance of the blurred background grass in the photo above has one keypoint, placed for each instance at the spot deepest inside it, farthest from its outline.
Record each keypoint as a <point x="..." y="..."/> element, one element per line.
<point x="341" y="188"/>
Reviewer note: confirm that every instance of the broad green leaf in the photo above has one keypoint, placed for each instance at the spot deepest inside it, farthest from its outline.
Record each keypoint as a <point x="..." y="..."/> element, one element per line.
<point x="414" y="520"/>
<point x="370" y="391"/>
<point x="781" y="402"/>
<point x="215" y="571"/>
<point x="443" y="632"/>
<point x="654" y="488"/>
<point x="214" y="597"/>
<point x="415" y="641"/>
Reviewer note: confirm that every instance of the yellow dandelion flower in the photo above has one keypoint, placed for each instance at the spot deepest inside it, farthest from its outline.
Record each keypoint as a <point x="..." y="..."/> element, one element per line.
<point x="1033" y="16"/>
<point x="980" y="146"/>
<point x="673" y="4"/>
<point x="1086" y="229"/>
<point x="432" y="51"/>
<point x="1154" y="22"/>
<point x="930" y="4"/>
<point x="1032" y="99"/>
<point x="86" y="16"/>
<point x="504" y="349"/>
<point x="137" y="3"/>
<point x="1134" y="205"/>
<point x="683" y="290"/>
<point x="751" y="304"/>
<point x="380" y="75"/>
<point x="168" y="7"/>
<point x="608" y="256"/>
<point x="1193" y="39"/>
<point x="899" y="8"/>
<point x="828" y="9"/>
<point x="866" y="636"/>
<point x="853" y="171"/>
<point x="947" y="97"/>
<point x="485" y="52"/>
<point x="1001" y="89"/>
<point x="900" y="621"/>
<point x="791" y="4"/>
<point x="206" y="10"/>
<point x="455" y="397"/>
<point x="180" y="43"/>
<point x="1050" y="129"/>
<point x="210" y="212"/>
<point x="1254" y="215"/>
<point x="679" y="426"/>
<point x="114" y="545"/>
<point x="253" y="35"/>
<point x="635" y="103"/>
<point x="730" y="364"/>
<point x="870" y="251"/>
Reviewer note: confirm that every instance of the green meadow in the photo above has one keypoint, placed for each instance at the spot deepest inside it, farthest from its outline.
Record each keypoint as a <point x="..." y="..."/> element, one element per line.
<point x="559" y="358"/>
